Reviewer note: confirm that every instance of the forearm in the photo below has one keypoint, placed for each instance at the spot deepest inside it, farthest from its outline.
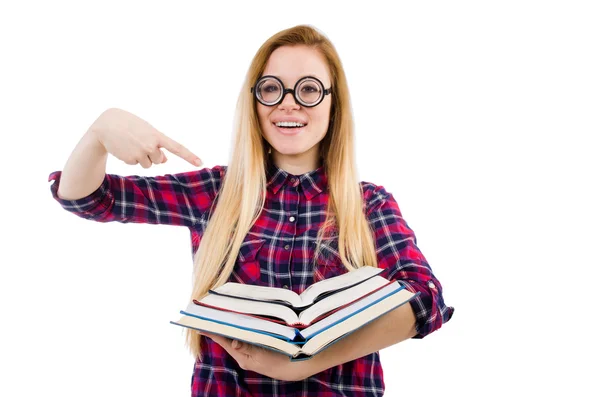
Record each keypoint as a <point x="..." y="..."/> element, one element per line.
<point x="387" y="330"/>
<point x="85" y="169"/>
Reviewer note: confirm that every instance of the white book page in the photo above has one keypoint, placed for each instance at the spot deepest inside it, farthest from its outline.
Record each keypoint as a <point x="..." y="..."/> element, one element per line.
<point x="309" y="294"/>
<point x="228" y="331"/>
<point x="260" y="292"/>
<point x="252" y="307"/>
<point x="307" y="297"/>
<point x="241" y="320"/>
<point x="341" y="298"/>
<point x="319" y="341"/>
<point x="347" y="311"/>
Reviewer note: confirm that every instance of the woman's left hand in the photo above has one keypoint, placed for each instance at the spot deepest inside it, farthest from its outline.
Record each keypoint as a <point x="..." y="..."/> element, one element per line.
<point x="264" y="361"/>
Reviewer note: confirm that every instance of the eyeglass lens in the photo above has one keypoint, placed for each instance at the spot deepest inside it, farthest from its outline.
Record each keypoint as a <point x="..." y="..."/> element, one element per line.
<point x="308" y="91"/>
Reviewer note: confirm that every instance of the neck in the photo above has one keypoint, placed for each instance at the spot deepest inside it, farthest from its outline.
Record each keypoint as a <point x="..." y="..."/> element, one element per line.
<point x="296" y="164"/>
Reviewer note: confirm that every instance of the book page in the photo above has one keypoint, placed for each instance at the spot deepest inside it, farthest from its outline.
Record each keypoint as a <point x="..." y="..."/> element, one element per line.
<point x="345" y="280"/>
<point x="259" y="292"/>
<point x="252" y="307"/>
<point x="341" y="298"/>
<point x="323" y="339"/>
<point x="236" y="333"/>
<point x="289" y="297"/>
<point x="315" y="344"/>
<point x="240" y="321"/>
<point x="350" y="310"/>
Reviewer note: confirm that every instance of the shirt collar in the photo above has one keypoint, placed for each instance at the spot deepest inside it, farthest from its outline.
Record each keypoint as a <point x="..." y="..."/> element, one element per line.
<point x="312" y="182"/>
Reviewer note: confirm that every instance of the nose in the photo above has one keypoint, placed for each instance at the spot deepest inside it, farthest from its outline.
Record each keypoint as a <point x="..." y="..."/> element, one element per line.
<point x="289" y="102"/>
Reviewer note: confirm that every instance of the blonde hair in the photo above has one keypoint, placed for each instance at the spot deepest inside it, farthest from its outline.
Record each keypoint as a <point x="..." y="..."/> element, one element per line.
<point x="243" y="189"/>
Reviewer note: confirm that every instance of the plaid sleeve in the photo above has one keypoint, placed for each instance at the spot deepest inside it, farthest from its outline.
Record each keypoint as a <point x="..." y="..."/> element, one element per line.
<point x="397" y="251"/>
<point x="172" y="199"/>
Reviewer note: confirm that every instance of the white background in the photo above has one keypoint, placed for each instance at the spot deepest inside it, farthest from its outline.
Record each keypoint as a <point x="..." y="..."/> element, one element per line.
<point x="481" y="118"/>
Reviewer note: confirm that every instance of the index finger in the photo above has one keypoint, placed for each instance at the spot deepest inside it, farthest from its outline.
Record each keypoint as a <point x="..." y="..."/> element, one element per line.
<point x="179" y="150"/>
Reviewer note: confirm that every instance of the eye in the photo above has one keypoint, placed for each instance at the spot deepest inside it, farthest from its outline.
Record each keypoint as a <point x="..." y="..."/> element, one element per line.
<point x="270" y="88"/>
<point x="309" y="88"/>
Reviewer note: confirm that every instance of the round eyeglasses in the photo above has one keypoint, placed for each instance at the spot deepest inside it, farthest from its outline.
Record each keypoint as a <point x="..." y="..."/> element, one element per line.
<point x="308" y="91"/>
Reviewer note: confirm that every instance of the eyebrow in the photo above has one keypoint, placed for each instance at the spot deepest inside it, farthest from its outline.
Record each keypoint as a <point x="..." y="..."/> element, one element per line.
<point x="279" y="77"/>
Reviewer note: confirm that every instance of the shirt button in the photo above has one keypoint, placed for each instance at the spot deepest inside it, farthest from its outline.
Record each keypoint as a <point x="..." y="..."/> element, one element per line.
<point x="287" y="247"/>
<point x="431" y="285"/>
<point x="292" y="219"/>
<point x="286" y="287"/>
<point x="293" y="180"/>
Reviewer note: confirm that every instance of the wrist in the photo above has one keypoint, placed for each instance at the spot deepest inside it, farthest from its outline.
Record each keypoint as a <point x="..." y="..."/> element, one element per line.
<point x="93" y="141"/>
<point x="96" y="131"/>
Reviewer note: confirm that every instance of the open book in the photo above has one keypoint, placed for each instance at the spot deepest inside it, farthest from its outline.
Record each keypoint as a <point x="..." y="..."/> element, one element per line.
<point x="308" y="297"/>
<point x="300" y="318"/>
<point x="347" y="303"/>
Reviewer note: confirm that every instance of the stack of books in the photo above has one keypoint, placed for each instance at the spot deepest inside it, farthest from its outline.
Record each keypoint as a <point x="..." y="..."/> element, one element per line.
<point x="298" y="325"/>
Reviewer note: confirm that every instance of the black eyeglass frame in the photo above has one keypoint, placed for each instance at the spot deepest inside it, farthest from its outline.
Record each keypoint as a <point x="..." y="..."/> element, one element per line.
<point x="290" y="90"/>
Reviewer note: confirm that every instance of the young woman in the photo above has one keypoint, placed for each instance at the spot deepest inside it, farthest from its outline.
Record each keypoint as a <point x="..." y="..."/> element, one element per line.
<point x="286" y="212"/>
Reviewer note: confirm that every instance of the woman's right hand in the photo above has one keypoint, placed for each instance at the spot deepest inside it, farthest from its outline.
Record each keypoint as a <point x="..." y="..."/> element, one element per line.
<point x="133" y="140"/>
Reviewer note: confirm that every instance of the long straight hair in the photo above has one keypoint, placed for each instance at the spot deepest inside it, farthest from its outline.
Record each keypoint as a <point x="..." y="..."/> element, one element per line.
<point x="243" y="189"/>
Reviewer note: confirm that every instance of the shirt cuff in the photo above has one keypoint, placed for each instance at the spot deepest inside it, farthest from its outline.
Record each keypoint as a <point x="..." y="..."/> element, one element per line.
<point x="90" y="206"/>
<point x="428" y="306"/>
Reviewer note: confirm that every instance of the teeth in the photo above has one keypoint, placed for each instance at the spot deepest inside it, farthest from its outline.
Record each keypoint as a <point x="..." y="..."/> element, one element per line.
<point x="288" y="124"/>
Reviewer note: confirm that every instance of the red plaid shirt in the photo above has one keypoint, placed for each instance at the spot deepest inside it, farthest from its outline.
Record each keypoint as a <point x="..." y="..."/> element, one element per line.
<point x="277" y="252"/>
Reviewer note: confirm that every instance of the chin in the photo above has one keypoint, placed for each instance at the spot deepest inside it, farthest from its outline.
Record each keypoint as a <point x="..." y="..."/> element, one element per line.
<point x="288" y="152"/>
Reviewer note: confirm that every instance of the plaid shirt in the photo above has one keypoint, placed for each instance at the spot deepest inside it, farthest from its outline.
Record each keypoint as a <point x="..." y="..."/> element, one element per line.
<point x="277" y="252"/>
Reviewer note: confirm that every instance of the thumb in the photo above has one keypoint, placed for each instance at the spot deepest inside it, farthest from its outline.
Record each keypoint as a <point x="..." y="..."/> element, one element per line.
<point x="241" y="346"/>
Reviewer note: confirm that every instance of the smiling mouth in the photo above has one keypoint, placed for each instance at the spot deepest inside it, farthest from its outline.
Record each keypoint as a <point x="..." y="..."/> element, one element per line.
<point x="290" y="125"/>
<point x="289" y="130"/>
